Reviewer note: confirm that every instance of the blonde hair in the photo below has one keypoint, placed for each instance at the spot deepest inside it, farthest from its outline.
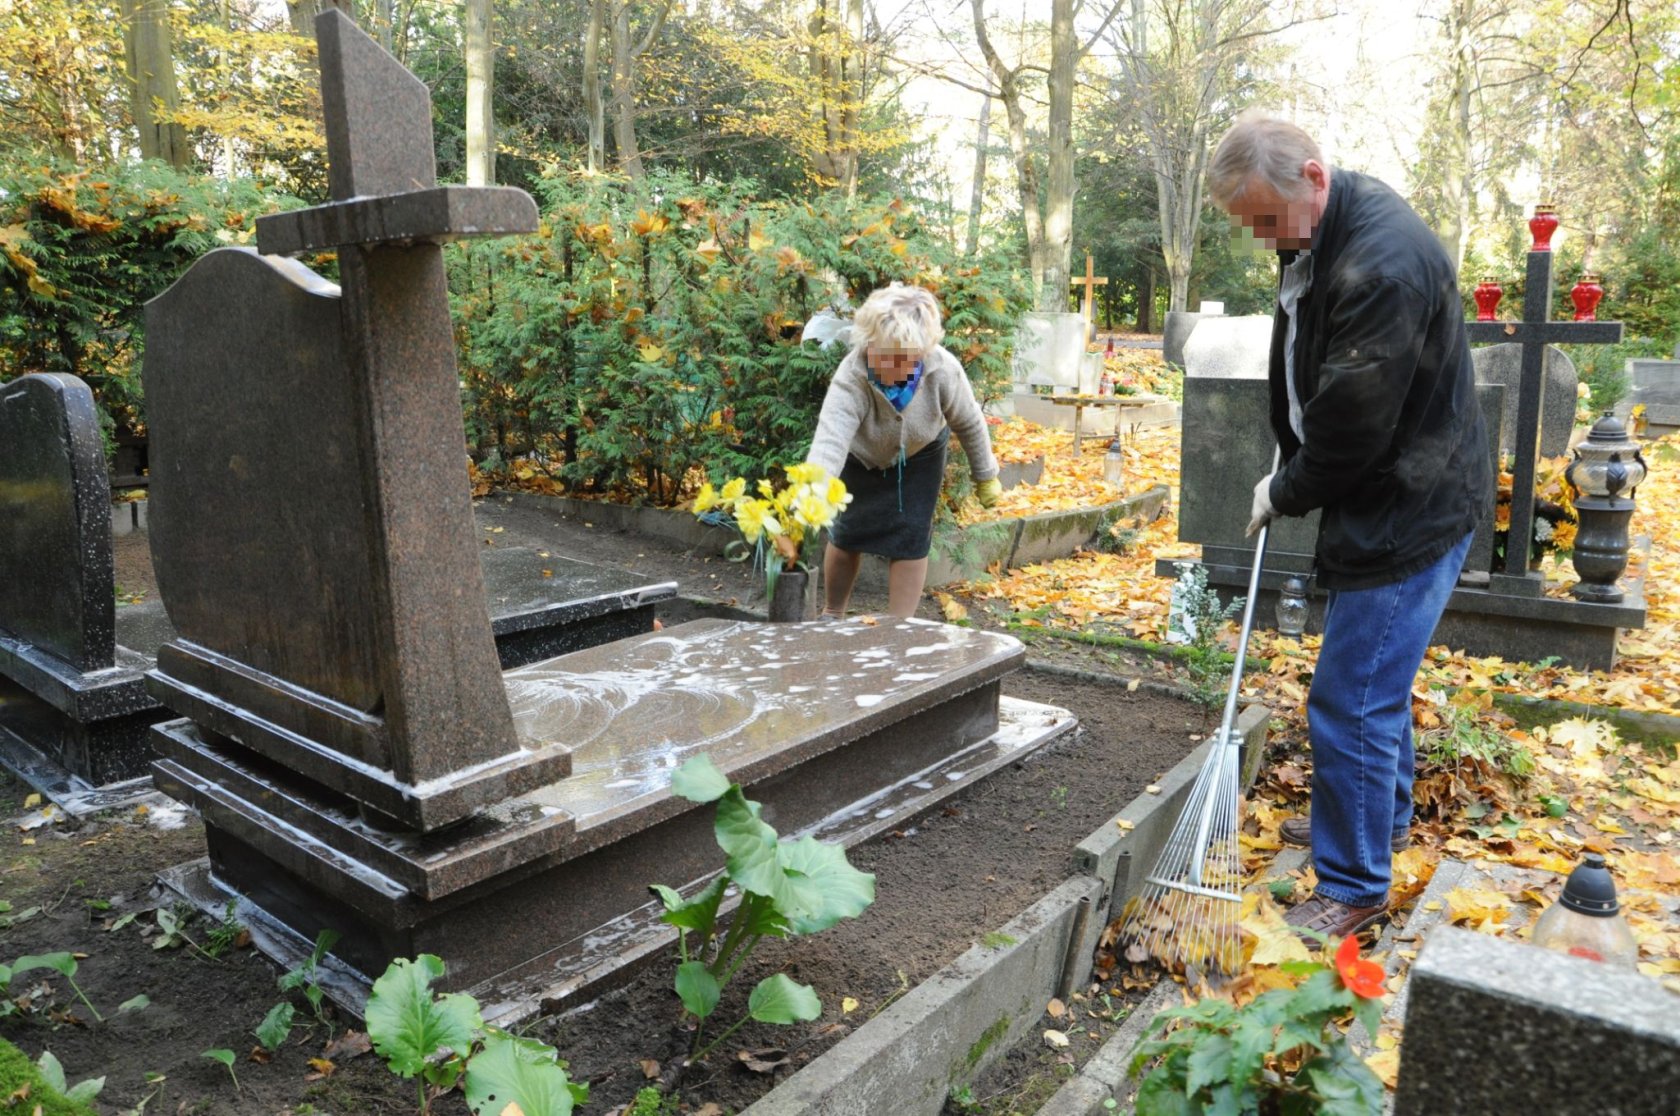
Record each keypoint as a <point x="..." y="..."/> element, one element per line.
<point x="900" y="317"/>
<point x="1264" y="149"/>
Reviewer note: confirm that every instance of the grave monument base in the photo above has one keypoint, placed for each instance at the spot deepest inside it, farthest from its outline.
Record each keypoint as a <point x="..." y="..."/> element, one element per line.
<point x="812" y="718"/>
<point x="1513" y="626"/>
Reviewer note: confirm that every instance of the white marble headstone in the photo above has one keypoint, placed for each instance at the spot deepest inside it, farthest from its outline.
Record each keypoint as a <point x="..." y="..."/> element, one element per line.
<point x="1229" y="348"/>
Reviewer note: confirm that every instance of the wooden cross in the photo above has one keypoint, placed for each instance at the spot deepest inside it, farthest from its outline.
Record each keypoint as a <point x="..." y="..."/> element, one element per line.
<point x="1090" y="282"/>
<point x="1533" y="333"/>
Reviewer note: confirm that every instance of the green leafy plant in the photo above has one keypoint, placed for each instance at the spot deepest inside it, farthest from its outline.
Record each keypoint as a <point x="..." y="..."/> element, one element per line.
<point x="651" y="1102"/>
<point x="275" y="1026"/>
<point x="1281" y="1054"/>
<point x="53" y="1074"/>
<point x="225" y="1056"/>
<point x="303" y="977"/>
<point x="441" y="1040"/>
<point x="1463" y="740"/>
<point x="787" y="888"/>
<point x="1194" y="619"/>
<point x="64" y="964"/>
<point x="225" y="935"/>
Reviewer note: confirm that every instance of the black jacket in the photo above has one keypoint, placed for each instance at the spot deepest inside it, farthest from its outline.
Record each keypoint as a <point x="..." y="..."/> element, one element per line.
<point x="1396" y="453"/>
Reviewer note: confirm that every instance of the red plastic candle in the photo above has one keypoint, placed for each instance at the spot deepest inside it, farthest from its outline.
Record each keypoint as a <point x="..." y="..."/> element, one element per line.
<point x="1541" y="226"/>
<point x="1487" y="295"/>
<point x="1585" y="295"/>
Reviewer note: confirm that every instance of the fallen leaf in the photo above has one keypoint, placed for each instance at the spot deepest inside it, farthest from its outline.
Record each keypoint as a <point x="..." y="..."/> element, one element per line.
<point x="1056" y="1009"/>
<point x="351" y="1044"/>
<point x="1055" y="1039"/>
<point x="650" y="1068"/>
<point x="31" y="802"/>
<point x="763" y="1061"/>
<point x="323" y="1069"/>
<point x="847" y="1005"/>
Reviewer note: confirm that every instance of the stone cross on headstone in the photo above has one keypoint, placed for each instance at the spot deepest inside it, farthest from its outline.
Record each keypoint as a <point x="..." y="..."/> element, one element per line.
<point x="308" y="449"/>
<point x="1090" y="282"/>
<point x="1533" y="333"/>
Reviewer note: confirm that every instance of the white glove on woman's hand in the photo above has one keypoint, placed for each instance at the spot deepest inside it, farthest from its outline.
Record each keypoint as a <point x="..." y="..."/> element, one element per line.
<point x="1262" y="512"/>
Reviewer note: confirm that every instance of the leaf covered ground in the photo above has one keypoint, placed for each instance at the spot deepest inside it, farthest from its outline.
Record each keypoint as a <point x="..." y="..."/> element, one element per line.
<point x="1489" y="789"/>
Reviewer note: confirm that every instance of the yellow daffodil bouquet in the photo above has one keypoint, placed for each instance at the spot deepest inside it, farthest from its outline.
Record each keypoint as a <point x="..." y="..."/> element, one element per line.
<point x="779" y="527"/>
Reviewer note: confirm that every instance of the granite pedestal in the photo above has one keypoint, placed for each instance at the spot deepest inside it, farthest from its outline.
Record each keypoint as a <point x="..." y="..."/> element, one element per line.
<point x="1499" y="1026"/>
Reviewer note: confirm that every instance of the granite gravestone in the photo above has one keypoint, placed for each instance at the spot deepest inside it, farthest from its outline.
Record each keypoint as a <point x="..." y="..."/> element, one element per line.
<point x="1502" y="364"/>
<point x="1499" y="1026"/>
<point x="63" y="641"/>
<point x="360" y="759"/>
<point x="1656" y="385"/>
<point x="1050" y="349"/>
<point x="1223" y="348"/>
<point x="1175" y="332"/>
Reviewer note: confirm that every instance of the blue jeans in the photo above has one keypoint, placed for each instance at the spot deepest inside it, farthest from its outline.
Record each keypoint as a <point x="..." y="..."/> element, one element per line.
<point x="1359" y="719"/>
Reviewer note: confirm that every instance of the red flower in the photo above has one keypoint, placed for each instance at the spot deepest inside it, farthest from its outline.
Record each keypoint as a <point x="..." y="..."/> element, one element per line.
<point x="1362" y="978"/>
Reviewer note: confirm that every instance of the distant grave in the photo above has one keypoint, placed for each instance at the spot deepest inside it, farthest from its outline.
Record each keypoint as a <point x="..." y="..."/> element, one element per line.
<point x="1499" y="608"/>
<point x="361" y="760"/>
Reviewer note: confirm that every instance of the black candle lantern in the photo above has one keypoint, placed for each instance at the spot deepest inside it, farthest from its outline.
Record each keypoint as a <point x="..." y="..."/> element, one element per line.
<point x="1606" y="471"/>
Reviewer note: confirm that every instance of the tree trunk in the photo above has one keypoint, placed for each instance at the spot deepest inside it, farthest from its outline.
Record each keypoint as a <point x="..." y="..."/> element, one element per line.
<point x="837" y="60"/>
<point x="1146" y="302"/>
<point x="481" y="72"/>
<point x="977" y="195"/>
<point x="385" y="21"/>
<point x="624" y="93"/>
<point x="592" y="103"/>
<point x="151" y="71"/>
<point x="1059" y="184"/>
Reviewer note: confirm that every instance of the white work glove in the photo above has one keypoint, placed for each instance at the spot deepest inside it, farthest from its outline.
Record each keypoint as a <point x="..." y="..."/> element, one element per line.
<point x="1262" y="512"/>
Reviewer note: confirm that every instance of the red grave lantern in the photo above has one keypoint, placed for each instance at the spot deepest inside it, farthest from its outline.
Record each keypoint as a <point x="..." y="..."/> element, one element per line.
<point x="1487" y="295"/>
<point x="1585" y="295"/>
<point x="1541" y="226"/>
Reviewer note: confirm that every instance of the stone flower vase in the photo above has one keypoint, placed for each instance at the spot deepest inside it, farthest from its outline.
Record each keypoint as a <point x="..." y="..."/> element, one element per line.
<point x="794" y="597"/>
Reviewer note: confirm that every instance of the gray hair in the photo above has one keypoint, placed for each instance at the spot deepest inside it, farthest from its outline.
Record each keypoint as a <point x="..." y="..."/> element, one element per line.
<point x="1265" y="149"/>
<point x="900" y="317"/>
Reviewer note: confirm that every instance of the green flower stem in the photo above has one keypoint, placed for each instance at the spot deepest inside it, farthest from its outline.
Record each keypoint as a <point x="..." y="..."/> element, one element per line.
<point x="713" y="1045"/>
<point x="84" y="999"/>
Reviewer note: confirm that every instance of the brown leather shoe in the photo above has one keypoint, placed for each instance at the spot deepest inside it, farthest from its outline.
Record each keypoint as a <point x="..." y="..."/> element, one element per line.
<point x="1330" y="918"/>
<point x="1298" y="831"/>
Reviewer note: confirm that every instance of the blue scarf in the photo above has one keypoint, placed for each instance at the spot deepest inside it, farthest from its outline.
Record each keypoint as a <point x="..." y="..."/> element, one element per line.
<point x="899" y="395"/>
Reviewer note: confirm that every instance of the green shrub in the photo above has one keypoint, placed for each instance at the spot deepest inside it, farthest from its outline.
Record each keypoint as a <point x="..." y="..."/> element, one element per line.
<point x="81" y="252"/>
<point x="642" y="338"/>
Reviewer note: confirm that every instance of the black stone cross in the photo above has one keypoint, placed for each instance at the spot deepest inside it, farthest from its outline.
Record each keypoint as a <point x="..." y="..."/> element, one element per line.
<point x="1533" y="333"/>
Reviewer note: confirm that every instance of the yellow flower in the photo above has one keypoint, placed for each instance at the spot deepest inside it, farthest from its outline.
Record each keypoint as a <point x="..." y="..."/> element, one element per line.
<point x="734" y="490"/>
<point x="705" y="499"/>
<point x="836" y="494"/>
<point x="766" y="490"/>
<point x="805" y="473"/>
<point x="756" y="518"/>
<point x="815" y="512"/>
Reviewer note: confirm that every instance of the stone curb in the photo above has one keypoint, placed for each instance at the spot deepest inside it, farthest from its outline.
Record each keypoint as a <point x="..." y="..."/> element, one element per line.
<point x="1119" y="855"/>
<point x="959" y="555"/>
<point x="1103" y="1077"/>
<point x="949" y="1028"/>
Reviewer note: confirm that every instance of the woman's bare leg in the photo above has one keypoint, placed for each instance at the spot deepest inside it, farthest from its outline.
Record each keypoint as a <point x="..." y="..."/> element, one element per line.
<point x="840" y="571"/>
<point x="905" y="579"/>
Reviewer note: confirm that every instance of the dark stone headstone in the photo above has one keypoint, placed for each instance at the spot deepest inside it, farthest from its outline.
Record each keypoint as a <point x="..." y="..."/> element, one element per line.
<point x="1500" y="1026"/>
<point x="1502" y="364"/>
<point x="1174" y="332"/>
<point x="55" y="522"/>
<point x="1227" y="447"/>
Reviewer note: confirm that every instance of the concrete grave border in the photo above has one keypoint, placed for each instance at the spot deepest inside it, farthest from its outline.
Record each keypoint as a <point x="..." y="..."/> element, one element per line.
<point x="958" y="555"/>
<point x="950" y="1028"/>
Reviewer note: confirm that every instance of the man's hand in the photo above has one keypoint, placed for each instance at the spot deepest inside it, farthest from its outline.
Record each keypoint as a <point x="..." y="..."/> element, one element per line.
<point x="988" y="491"/>
<point x="1262" y="512"/>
